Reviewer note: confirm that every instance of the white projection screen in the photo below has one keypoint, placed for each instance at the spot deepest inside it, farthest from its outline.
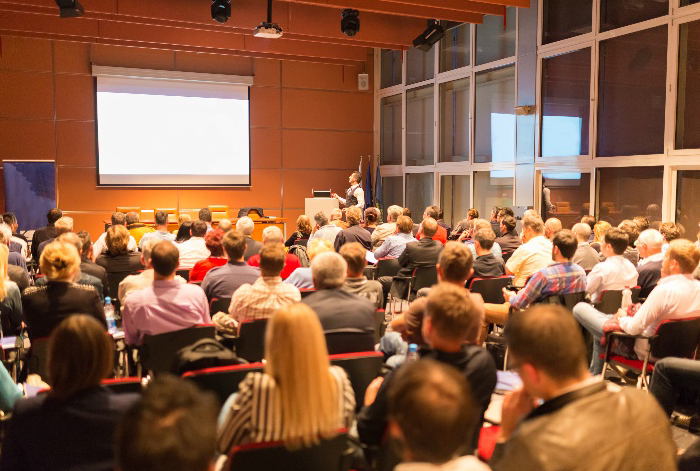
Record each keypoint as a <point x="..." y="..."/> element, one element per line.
<point x="172" y="132"/>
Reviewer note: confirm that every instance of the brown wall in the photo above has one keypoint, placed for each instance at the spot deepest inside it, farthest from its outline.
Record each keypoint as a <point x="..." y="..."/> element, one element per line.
<point x="309" y="125"/>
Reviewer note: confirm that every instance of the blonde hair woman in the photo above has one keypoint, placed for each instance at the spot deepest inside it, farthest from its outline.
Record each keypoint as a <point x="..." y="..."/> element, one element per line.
<point x="302" y="234"/>
<point x="299" y="398"/>
<point x="118" y="260"/>
<point x="46" y="306"/>
<point x="599" y="230"/>
<point x="10" y="298"/>
<point x="301" y="277"/>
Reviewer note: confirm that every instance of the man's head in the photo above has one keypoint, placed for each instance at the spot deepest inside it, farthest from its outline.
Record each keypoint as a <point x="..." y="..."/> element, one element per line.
<point x="450" y="318"/>
<point x="551" y="227"/>
<point x="5" y="234"/>
<point x="165" y="258"/>
<point x="406" y="212"/>
<point x="336" y="215"/>
<point x="205" y="215"/>
<point x="455" y="263"/>
<point x="630" y="228"/>
<point x="547" y="348"/>
<point x="404" y="224"/>
<point x="54" y="215"/>
<point x="172" y="427"/>
<point x="508" y="224"/>
<point x="473" y="213"/>
<point x="616" y="242"/>
<point x="505" y="211"/>
<point x="355" y="256"/>
<point x="532" y="227"/>
<point x="670" y="231"/>
<point x="318" y="246"/>
<point x="272" y="259"/>
<point x="483" y="241"/>
<point x="393" y="213"/>
<point x="321" y="219"/>
<point x="431" y="212"/>
<point x="272" y="235"/>
<point x="589" y="221"/>
<point x="234" y="245"/>
<point x="328" y="271"/>
<point x="161" y="219"/>
<point x="11" y="220"/>
<point x="353" y="216"/>
<point x="72" y="239"/>
<point x="225" y="225"/>
<point x="64" y="225"/>
<point x="582" y="231"/>
<point x="245" y="225"/>
<point x="649" y="243"/>
<point x="118" y="219"/>
<point x="681" y="258"/>
<point x="355" y="177"/>
<point x="431" y="412"/>
<point x="564" y="245"/>
<point x="212" y="240"/>
<point x="86" y="243"/>
<point x="430" y="226"/>
<point x="132" y="217"/>
<point x="641" y="222"/>
<point x="146" y="249"/>
<point x="198" y="229"/>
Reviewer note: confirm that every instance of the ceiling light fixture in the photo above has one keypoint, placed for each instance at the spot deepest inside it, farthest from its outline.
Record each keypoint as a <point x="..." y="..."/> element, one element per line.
<point x="221" y="10"/>
<point x="350" y="22"/>
<point x="430" y="36"/>
<point x="268" y="29"/>
<point x="70" y="8"/>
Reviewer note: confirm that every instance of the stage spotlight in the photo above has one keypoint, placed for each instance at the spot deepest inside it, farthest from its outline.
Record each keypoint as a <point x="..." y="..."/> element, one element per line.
<point x="430" y="36"/>
<point x="350" y="22"/>
<point x="221" y="10"/>
<point x="70" y="8"/>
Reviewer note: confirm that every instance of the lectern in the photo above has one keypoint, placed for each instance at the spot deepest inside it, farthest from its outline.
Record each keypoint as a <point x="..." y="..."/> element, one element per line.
<point x="314" y="205"/>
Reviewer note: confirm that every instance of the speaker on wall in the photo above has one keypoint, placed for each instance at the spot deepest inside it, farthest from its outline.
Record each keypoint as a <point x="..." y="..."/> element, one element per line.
<point x="363" y="82"/>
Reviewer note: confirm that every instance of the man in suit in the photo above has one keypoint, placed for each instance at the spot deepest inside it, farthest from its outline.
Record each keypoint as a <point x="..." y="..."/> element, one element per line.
<point x="87" y="265"/>
<point x="246" y="226"/>
<point x="355" y="232"/>
<point x="586" y="256"/>
<point x="47" y="232"/>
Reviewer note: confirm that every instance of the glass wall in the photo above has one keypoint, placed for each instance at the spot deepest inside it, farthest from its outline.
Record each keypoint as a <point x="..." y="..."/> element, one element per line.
<point x="392" y="193"/>
<point x="626" y="192"/>
<point x="492" y="188"/>
<point x="495" y="37"/>
<point x="419" y="126"/>
<point x="563" y="19"/>
<point x="494" y="134"/>
<point x="617" y="13"/>
<point x="687" y="116"/>
<point x="420" y="66"/>
<point x="391" y="68"/>
<point x="390" y="135"/>
<point x="454" y="197"/>
<point x="420" y="188"/>
<point x="454" y="47"/>
<point x="567" y="196"/>
<point x="454" y="121"/>
<point x="688" y="203"/>
<point x="688" y="2"/>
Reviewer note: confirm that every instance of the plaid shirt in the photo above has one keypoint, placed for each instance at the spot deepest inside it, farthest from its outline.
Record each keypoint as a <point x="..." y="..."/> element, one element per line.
<point x="559" y="278"/>
<point x="261" y="299"/>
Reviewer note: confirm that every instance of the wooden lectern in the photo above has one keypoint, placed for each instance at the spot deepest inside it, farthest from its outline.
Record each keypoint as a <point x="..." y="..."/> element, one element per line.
<point x="314" y="205"/>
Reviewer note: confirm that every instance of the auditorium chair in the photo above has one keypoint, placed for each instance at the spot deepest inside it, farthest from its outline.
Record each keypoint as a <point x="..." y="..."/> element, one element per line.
<point x="250" y="343"/>
<point x="37" y="358"/>
<point x="126" y="209"/>
<point x="611" y="300"/>
<point x="362" y="368"/>
<point x="306" y="292"/>
<point x="222" y="380"/>
<point x="171" y="212"/>
<point x="387" y="267"/>
<point x="567" y="300"/>
<point x="123" y="385"/>
<point x="185" y="273"/>
<point x="219" y="305"/>
<point x="349" y="341"/>
<point x="563" y="206"/>
<point x="158" y="352"/>
<point x="218" y="211"/>
<point x="491" y="289"/>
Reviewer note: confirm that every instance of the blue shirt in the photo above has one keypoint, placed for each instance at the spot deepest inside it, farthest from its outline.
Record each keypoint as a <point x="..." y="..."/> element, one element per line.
<point x="162" y="235"/>
<point x="393" y="246"/>
<point x="301" y="278"/>
<point x="221" y="282"/>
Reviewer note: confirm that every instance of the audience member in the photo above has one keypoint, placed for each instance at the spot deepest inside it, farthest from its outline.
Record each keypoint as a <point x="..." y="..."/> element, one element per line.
<point x="14" y="258"/>
<point x="495" y="222"/>
<point x="581" y="423"/>
<point x="301" y="277"/>
<point x="476" y="225"/>
<point x="590" y="221"/>
<point x="509" y="239"/>
<point x="11" y="392"/>
<point x="649" y="245"/>
<point x="551" y="227"/>
<point x="273" y="235"/>
<point x="166" y="305"/>
<point x="431" y="410"/>
<point x="441" y="221"/>
<point x="90" y="267"/>
<point x="182" y="218"/>
<point x="337" y="219"/>
<point x="303" y="233"/>
<point x="225" y="225"/>
<point x="642" y="223"/>
<point x="300" y="398"/>
<point x="630" y="228"/>
<point x="221" y="282"/>
<point x="463" y="225"/>
<point x="44" y="307"/>
<point x="136" y="229"/>
<point x="172" y="427"/>
<point x="161" y="231"/>
<point x="394" y="245"/>
<point x="616" y="272"/>
<point x="533" y="255"/>
<point x="356" y="282"/>
<point x="599" y="230"/>
<point x="118" y="258"/>
<point x="100" y="245"/>
<point x="71" y="426"/>
<point x="383" y="231"/>
<point x="246" y="226"/>
<point x="416" y="227"/>
<point x="324" y="229"/>
<point x="586" y="256"/>
<point x="670" y="377"/>
<point x="18" y="242"/>
<point x="355" y="232"/>
<point x="213" y="242"/>
<point x="206" y="217"/>
<point x="670" y="232"/>
<point x="62" y="226"/>
<point x="47" y="232"/>
<point x="195" y="248"/>
<point x="676" y="296"/>
<point x="440" y="233"/>
<point x="184" y="233"/>
<point x="10" y="299"/>
<point x="371" y="219"/>
<point x="486" y="264"/>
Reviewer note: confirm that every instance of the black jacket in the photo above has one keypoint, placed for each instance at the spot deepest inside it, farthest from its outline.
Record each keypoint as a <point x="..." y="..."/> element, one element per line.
<point x="338" y="309"/>
<point x="488" y="265"/>
<point x="19" y="275"/>
<point x="354" y="233"/>
<point x="649" y="276"/>
<point x="252" y="247"/>
<point x="129" y="262"/>
<point x="424" y="253"/>
<point x="41" y="235"/>
<point x="93" y="269"/>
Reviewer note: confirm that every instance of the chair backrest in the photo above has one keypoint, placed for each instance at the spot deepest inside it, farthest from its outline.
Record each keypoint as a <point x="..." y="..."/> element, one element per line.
<point x="159" y="351"/>
<point x="387" y="267"/>
<point x="676" y="338"/>
<point x="567" y="300"/>
<point x="506" y="256"/>
<point x="425" y="277"/>
<point x="491" y="289"/>
<point x="219" y="305"/>
<point x="328" y="455"/>
<point x="126" y="209"/>
<point x="183" y="273"/>
<point x="611" y="300"/>
<point x="113" y="279"/>
<point x="306" y="292"/>
<point x="123" y="385"/>
<point x="222" y="380"/>
<point x="362" y="368"/>
<point x="251" y="344"/>
<point x="38" y="354"/>
<point x="218" y="211"/>
<point x="349" y="342"/>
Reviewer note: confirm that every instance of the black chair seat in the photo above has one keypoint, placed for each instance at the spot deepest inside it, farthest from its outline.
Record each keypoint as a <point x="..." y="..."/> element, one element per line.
<point x="222" y="380"/>
<point x="158" y="352"/>
<point x="361" y="368"/>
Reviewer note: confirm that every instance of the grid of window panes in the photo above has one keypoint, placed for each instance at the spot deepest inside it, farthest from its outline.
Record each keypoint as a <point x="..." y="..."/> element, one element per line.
<point x="420" y="189"/>
<point x="454" y="197"/>
<point x="392" y="193"/>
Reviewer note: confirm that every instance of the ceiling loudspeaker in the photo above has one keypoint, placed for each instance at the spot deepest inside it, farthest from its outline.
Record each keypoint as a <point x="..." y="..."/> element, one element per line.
<point x="363" y="82"/>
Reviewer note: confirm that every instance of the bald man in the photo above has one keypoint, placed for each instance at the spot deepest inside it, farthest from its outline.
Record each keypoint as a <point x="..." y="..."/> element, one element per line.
<point x="586" y="256"/>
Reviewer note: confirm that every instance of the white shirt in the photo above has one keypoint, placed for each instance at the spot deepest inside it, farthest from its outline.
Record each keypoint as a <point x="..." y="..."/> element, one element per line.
<point x="657" y="257"/>
<point x="529" y="258"/>
<point x="463" y="463"/>
<point x="192" y="251"/>
<point x="138" y="282"/>
<point x="615" y="273"/>
<point x="100" y="246"/>
<point x="162" y="235"/>
<point x="359" y="194"/>
<point x="675" y="297"/>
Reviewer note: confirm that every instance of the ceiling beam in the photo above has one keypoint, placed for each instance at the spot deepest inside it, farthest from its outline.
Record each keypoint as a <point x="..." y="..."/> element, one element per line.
<point x="457" y="5"/>
<point x="507" y="3"/>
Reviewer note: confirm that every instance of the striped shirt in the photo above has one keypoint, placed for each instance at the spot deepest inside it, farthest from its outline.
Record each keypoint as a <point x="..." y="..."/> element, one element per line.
<point x="560" y="278"/>
<point x="261" y="299"/>
<point x="256" y="416"/>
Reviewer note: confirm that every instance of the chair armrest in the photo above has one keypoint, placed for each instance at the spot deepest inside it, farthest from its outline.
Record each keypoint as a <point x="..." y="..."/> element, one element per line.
<point x="404" y="278"/>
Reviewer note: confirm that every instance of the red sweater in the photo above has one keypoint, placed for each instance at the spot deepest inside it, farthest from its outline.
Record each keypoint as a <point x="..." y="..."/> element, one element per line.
<point x="203" y="266"/>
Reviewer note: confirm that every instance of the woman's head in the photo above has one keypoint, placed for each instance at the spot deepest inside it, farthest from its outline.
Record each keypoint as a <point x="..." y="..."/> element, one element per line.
<point x="60" y="261"/>
<point x="213" y="241"/>
<point x="304" y="224"/>
<point x="599" y="230"/>
<point x="117" y="240"/>
<point x="80" y="355"/>
<point x="371" y="216"/>
<point x="183" y="233"/>
<point x="183" y="218"/>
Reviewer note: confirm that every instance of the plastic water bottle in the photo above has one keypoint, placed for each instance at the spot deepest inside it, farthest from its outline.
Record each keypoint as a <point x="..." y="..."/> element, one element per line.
<point x="109" y="315"/>
<point x="412" y="353"/>
<point x="626" y="298"/>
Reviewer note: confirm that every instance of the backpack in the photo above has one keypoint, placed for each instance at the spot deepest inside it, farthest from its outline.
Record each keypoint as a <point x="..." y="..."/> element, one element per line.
<point x="300" y="252"/>
<point x="204" y="353"/>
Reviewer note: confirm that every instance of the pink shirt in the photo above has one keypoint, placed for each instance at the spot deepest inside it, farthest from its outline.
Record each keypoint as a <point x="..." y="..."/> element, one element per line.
<point x="163" y="307"/>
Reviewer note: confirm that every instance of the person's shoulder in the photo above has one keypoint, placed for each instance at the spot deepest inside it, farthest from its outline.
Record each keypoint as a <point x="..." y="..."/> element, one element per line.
<point x="84" y="289"/>
<point x="11" y="286"/>
<point x="34" y="291"/>
<point x="478" y="357"/>
<point x="27" y="406"/>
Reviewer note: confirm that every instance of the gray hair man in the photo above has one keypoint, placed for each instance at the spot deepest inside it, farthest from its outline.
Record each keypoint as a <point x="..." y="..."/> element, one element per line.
<point x="246" y="226"/>
<point x="649" y="244"/>
<point x="382" y="231"/>
<point x="586" y="256"/>
<point x="324" y="229"/>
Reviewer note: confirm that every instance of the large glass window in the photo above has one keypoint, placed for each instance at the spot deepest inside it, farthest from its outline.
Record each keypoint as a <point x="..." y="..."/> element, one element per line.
<point x="688" y="203"/>
<point x="420" y="65"/>
<point x="392" y="193"/>
<point x="391" y="67"/>
<point x="420" y="188"/>
<point x="563" y="19"/>
<point x="420" y="126"/>
<point x="688" y="111"/>
<point x="566" y="104"/>
<point x="618" y="13"/>
<point x="626" y="192"/>
<point x="685" y="3"/>
<point x="454" y="47"/>
<point x="566" y="196"/>
<point x="495" y="37"/>
<point x="454" y="197"/>
<point x="492" y="188"/>
<point x="632" y="93"/>
<point x="494" y="135"/>
<point x="390" y="135"/>
<point x="454" y="121"/>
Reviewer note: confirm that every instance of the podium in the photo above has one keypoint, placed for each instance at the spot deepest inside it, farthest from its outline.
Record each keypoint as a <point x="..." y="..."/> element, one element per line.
<point x="314" y="205"/>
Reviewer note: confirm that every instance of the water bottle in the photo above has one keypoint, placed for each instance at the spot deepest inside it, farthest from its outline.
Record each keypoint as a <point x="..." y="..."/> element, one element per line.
<point x="412" y="353"/>
<point x="626" y="298"/>
<point x="109" y="315"/>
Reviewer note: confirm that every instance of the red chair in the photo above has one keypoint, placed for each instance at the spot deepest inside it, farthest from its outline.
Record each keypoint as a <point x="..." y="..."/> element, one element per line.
<point x="222" y="380"/>
<point x="123" y="385"/>
<point x="362" y="368"/>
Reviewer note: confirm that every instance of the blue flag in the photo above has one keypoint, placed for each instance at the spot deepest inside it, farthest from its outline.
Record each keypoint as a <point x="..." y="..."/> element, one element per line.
<point x="378" y="199"/>
<point x="368" y="185"/>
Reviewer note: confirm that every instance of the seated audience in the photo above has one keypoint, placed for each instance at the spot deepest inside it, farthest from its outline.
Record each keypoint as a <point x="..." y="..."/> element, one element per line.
<point x="45" y="233"/>
<point x="616" y="272"/>
<point x="225" y="225"/>
<point x="642" y="223"/>
<point x="356" y="282"/>
<point x="166" y="305"/>
<point x="337" y="219"/>
<point x="10" y="299"/>
<point x="324" y="229"/>
<point x="534" y="255"/>
<point x="468" y="235"/>
<point x="495" y="222"/>
<point x="265" y="296"/>
<point x="395" y="244"/>
<point x="100" y="245"/>
<point x="172" y="427"/>
<point x="371" y="219"/>
<point x="161" y="231"/>
<point x="18" y="242"/>
<point x="440" y="233"/>
<point x="206" y="217"/>
<point x="676" y="296"/>
<point x="195" y="248"/>
<point x="11" y="392"/>
<point x="355" y="232"/>
<point x="509" y="239"/>
<point x="246" y="226"/>
<point x="184" y="233"/>
<point x="590" y="221"/>
<point x="630" y="228"/>
<point x="670" y="232"/>
<point x="299" y="398"/>
<point x="599" y="230"/>
<point x="273" y="235"/>
<point x="486" y="264"/>
<point x="302" y="234"/>
<point x="44" y="307"/>
<point x="221" y="282"/>
<point x="463" y="225"/>
<point x="450" y="328"/>
<point x="431" y="410"/>
<point x="90" y="267"/>
<point x="649" y="268"/>
<point x="561" y="277"/>
<point x="442" y="223"/>
<point x="118" y="258"/>
<point x="136" y="229"/>
<point x="213" y="243"/>
<point x="15" y="257"/>
<point x="301" y="277"/>
<point x="671" y="375"/>
<point x="182" y="218"/>
<point x="586" y="256"/>
<point x="582" y="423"/>
<point x="62" y="226"/>
<point x="383" y="231"/>
<point x="72" y="425"/>
<point x="416" y="227"/>
<point x="143" y="279"/>
<point x="551" y="227"/>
